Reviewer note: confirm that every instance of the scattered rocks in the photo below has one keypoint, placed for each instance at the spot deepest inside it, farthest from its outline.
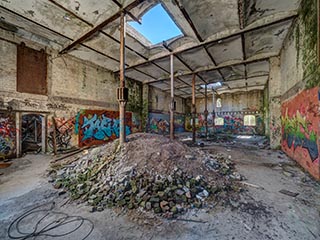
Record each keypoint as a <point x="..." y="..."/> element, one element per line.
<point x="173" y="179"/>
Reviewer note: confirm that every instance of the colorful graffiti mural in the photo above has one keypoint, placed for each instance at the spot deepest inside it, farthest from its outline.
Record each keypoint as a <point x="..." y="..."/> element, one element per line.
<point x="64" y="133"/>
<point x="98" y="127"/>
<point x="159" y="123"/>
<point x="7" y="135"/>
<point x="300" y="119"/>
<point x="233" y="123"/>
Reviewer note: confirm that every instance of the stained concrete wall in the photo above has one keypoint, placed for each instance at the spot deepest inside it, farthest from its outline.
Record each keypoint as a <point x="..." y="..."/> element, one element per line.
<point x="159" y="101"/>
<point x="73" y="84"/>
<point x="300" y="105"/>
<point x="232" y="102"/>
<point x="233" y="109"/>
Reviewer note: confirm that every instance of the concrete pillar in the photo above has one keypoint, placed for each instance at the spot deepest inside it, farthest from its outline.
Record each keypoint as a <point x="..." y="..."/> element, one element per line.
<point x="275" y="103"/>
<point x="44" y="133"/>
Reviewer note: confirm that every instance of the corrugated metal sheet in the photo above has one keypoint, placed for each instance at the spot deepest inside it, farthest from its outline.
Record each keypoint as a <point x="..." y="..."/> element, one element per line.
<point x="31" y="70"/>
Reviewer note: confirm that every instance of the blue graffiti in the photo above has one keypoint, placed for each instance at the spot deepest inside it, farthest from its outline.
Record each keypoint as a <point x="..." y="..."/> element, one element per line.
<point x="101" y="128"/>
<point x="298" y="141"/>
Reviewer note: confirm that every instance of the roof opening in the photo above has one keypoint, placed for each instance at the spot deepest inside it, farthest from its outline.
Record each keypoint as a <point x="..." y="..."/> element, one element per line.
<point x="157" y="26"/>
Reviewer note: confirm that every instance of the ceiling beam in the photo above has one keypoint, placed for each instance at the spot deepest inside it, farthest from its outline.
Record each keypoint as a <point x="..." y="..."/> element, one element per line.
<point x="127" y="12"/>
<point x="233" y="80"/>
<point x="253" y="27"/>
<point x="214" y="62"/>
<point x="70" y="12"/>
<point x="223" y="65"/>
<point x="58" y="34"/>
<point x="102" y="32"/>
<point x="240" y="88"/>
<point x="100" y="26"/>
<point x="188" y="19"/>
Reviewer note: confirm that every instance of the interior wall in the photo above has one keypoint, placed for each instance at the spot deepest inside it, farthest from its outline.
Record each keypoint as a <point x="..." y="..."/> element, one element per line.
<point x="233" y="109"/>
<point x="73" y="85"/>
<point x="159" y="112"/>
<point x="300" y="99"/>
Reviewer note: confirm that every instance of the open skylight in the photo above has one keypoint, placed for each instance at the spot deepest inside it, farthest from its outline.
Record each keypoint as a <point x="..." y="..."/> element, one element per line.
<point x="157" y="26"/>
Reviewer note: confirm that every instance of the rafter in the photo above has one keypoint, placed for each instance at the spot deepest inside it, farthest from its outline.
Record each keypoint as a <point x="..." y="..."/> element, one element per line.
<point x="270" y="22"/>
<point x="223" y="65"/>
<point x="100" y="26"/>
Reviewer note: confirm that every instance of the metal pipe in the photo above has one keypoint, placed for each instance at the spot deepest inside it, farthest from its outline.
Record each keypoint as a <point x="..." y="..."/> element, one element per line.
<point x="194" y="108"/>
<point x="122" y="102"/>
<point x="172" y="99"/>
<point x="206" y="110"/>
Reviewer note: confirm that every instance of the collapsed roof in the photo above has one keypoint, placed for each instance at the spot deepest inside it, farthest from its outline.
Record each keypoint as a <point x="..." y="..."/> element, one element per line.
<point x="226" y="41"/>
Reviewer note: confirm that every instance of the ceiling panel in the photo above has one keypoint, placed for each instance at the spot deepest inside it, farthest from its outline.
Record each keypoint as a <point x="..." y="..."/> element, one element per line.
<point x="196" y="58"/>
<point x="212" y="16"/>
<point x="227" y="50"/>
<point x="266" y="40"/>
<point x="233" y="72"/>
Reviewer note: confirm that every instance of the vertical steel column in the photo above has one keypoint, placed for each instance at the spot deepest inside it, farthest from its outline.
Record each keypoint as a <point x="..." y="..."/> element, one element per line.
<point x="206" y="110"/>
<point x="172" y="107"/>
<point x="122" y="102"/>
<point x="194" y="108"/>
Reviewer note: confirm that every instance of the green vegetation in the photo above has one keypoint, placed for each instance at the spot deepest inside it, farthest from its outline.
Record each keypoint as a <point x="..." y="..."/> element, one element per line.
<point x="307" y="45"/>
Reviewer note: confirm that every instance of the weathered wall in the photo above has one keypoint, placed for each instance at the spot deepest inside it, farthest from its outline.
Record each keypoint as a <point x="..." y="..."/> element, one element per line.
<point x="300" y="129"/>
<point x="73" y="84"/>
<point x="159" y="101"/>
<point x="160" y="123"/>
<point x="275" y="103"/>
<point x="7" y="135"/>
<point x="300" y="80"/>
<point x="234" y="107"/>
<point x="97" y="127"/>
<point x="159" y="112"/>
<point x="233" y="102"/>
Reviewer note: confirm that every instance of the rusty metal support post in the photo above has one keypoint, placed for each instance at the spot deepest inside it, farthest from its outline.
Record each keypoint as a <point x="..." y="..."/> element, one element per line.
<point x="121" y="98"/>
<point x="194" y="111"/>
<point x="206" y="111"/>
<point x="172" y="103"/>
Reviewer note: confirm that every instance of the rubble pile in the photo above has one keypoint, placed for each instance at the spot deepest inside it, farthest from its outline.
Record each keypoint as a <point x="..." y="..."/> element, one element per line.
<point x="149" y="172"/>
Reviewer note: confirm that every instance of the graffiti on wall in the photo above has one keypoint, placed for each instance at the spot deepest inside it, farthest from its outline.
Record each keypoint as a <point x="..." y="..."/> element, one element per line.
<point x="64" y="133"/>
<point x="159" y="123"/>
<point x="233" y="123"/>
<point x="300" y="129"/>
<point x="98" y="127"/>
<point x="7" y="135"/>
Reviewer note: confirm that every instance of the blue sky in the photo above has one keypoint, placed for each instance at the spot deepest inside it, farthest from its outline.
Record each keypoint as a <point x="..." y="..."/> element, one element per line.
<point x="157" y="26"/>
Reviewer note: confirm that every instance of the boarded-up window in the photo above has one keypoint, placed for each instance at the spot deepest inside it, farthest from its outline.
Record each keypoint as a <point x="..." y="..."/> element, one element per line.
<point x="249" y="120"/>
<point x="219" y="121"/>
<point x="31" y="70"/>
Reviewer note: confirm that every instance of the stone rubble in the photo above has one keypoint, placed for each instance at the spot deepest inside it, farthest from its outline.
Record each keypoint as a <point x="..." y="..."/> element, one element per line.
<point x="150" y="179"/>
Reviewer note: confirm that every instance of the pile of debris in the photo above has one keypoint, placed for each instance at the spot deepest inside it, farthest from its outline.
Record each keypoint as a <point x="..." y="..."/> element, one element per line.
<point x="149" y="172"/>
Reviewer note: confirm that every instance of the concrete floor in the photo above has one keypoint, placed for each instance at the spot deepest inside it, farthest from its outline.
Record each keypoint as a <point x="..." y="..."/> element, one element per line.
<point x="265" y="213"/>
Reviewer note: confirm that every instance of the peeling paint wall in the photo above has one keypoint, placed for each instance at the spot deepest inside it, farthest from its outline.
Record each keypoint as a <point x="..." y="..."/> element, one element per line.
<point x="300" y="129"/>
<point x="73" y="84"/>
<point x="159" y="101"/>
<point x="7" y="135"/>
<point x="241" y="101"/>
<point x="299" y="105"/>
<point x="233" y="109"/>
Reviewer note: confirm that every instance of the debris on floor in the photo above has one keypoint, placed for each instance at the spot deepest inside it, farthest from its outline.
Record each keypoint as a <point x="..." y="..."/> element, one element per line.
<point x="149" y="172"/>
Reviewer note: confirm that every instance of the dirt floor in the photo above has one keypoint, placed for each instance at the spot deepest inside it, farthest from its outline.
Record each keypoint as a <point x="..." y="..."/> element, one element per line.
<point x="262" y="213"/>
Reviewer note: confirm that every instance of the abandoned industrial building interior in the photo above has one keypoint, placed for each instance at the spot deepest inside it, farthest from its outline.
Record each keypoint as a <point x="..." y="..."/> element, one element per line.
<point x="160" y="119"/>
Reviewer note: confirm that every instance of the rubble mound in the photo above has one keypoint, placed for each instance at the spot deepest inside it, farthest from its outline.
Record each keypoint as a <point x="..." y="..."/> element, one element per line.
<point x="149" y="172"/>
